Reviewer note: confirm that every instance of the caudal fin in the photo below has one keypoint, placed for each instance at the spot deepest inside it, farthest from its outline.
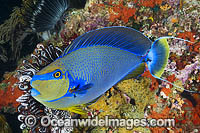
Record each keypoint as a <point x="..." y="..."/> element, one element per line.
<point x="159" y="54"/>
<point x="158" y="57"/>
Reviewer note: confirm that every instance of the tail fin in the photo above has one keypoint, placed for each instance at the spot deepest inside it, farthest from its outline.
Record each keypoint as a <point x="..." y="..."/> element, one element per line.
<point x="157" y="59"/>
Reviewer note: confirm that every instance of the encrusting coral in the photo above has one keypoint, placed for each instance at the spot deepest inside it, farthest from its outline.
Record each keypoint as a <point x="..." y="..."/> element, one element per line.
<point x="129" y="99"/>
<point x="148" y="3"/>
<point x="119" y="11"/>
<point x="9" y="94"/>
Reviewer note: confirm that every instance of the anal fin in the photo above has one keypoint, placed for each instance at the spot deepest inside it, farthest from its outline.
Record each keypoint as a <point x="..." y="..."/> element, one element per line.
<point x="93" y="101"/>
<point x="75" y="109"/>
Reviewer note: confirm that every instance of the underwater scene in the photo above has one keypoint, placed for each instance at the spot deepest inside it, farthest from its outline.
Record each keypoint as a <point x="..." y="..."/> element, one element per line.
<point x="100" y="66"/>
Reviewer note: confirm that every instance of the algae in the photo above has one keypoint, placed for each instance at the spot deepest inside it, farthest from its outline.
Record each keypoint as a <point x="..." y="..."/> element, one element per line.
<point x="3" y="86"/>
<point x="4" y="127"/>
<point x="16" y="29"/>
<point x="138" y="90"/>
<point x="117" y="107"/>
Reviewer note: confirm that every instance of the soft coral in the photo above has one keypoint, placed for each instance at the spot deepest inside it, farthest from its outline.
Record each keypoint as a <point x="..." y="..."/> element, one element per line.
<point x="119" y="11"/>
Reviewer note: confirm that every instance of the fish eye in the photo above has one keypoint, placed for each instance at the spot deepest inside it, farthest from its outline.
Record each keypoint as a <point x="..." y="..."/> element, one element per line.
<point x="57" y="74"/>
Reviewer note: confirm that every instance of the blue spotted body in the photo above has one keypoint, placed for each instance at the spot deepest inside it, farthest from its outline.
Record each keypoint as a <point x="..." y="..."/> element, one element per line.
<point x="91" y="65"/>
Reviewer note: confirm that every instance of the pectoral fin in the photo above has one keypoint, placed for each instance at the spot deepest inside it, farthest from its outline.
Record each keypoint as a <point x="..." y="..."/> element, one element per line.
<point x="80" y="90"/>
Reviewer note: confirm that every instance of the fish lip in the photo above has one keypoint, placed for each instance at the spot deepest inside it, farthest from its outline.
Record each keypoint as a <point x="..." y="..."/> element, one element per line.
<point x="34" y="92"/>
<point x="31" y="81"/>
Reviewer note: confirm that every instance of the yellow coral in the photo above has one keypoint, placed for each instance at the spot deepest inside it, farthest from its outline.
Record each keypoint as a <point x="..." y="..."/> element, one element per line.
<point x="165" y="7"/>
<point x="117" y="107"/>
<point x="109" y="106"/>
<point x="138" y="90"/>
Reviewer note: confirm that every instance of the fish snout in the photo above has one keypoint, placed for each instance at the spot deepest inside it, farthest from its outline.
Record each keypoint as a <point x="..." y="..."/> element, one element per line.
<point x="32" y="79"/>
<point x="34" y="92"/>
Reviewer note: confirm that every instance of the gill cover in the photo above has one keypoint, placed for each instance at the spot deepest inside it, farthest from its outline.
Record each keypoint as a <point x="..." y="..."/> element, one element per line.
<point x="49" y="86"/>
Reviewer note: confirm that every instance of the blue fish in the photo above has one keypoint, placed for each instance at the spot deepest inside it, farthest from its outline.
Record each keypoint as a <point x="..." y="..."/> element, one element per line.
<point x="95" y="62"/>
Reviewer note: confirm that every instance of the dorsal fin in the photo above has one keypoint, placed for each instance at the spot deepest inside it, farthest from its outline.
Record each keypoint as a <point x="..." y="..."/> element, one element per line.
<point x="117" y="36"/>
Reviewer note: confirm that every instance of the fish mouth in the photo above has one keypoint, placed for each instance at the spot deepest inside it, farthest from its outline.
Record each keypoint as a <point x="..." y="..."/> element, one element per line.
<point x="34" y="92"/>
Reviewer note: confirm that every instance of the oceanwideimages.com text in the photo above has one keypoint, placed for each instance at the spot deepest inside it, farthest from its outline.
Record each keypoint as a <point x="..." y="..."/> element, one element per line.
<point x="106" y="122"/>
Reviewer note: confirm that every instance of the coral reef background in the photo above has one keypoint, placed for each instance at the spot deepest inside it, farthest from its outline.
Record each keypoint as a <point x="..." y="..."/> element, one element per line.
<point x="145" y="97"/>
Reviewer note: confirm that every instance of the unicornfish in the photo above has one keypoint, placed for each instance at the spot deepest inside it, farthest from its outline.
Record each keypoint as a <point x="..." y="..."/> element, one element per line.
<point x="93" y="63"/>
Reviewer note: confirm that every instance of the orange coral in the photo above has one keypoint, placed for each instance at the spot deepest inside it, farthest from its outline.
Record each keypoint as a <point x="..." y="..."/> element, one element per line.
<point x="191" y="114"/>
<point x="167" y="91"/>
<point x="171" y="79"/>
<point x="190" y="36"/>
<point x="9" y="96"/>
<point x="148" y="3"/>
<point x="196" y="48"/>
<point x="198" y="77"/>
<point x="154" y="84"/>
<point x="163" y="115"/>
<point x="120" y="12"/>
<point x="174" y="20"/>
<point x="187" y="36"/>
<point x="157" y="130"/>
<point x="197" y="109"/>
